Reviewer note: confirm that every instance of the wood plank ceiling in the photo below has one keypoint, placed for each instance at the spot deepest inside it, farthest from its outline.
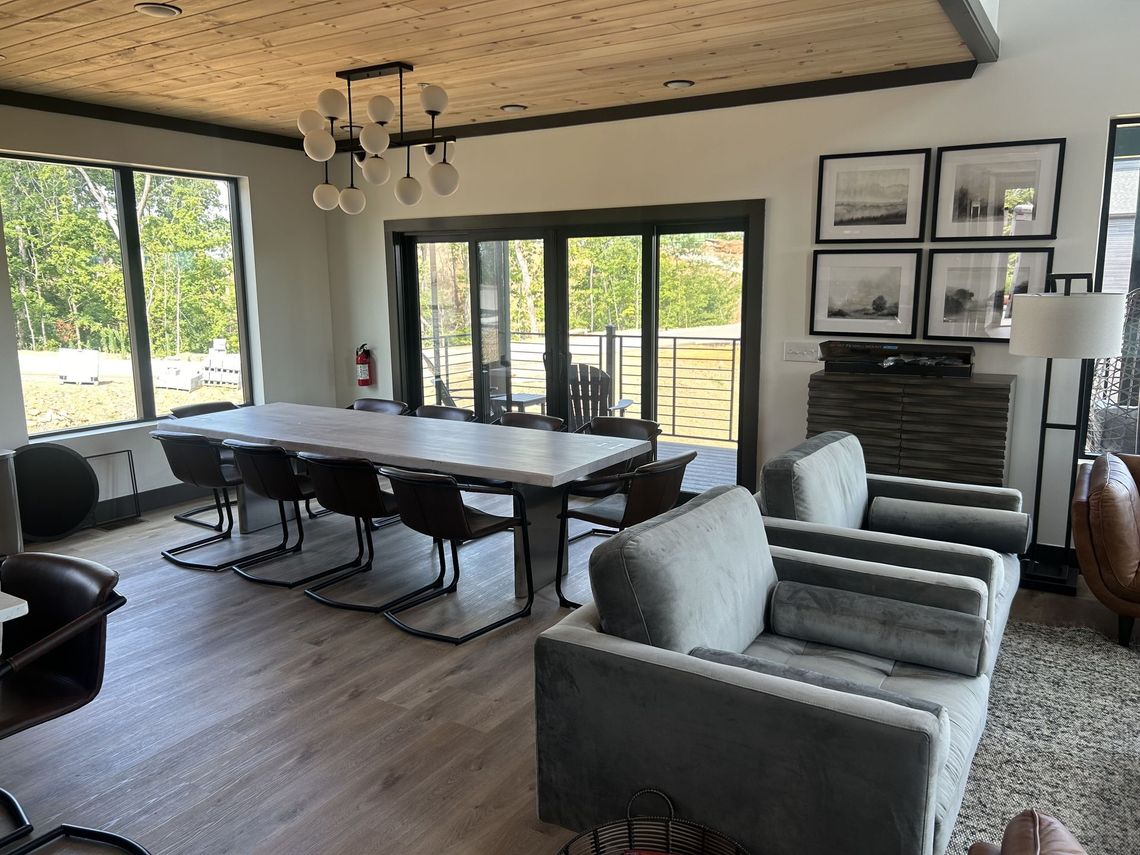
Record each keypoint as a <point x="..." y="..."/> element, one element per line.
<point x="255" y="64"/>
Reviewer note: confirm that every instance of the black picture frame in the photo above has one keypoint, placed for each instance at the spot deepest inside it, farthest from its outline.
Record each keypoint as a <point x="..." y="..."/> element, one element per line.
<point x="931" y="263"/>
<point x="867" y="233"/>
<point x="940" y="229"/>
<point x="838" y="327"/>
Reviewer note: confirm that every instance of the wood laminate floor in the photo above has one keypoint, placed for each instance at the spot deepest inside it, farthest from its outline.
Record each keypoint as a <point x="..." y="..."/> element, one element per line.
<point x="236" y="718"/>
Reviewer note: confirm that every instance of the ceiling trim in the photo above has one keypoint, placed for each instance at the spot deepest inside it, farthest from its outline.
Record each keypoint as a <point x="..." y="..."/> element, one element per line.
<point x="973" y="24"/>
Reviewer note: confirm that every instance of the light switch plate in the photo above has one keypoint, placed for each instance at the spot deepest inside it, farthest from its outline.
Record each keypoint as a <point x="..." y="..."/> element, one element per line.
<point x="801" y="351"/>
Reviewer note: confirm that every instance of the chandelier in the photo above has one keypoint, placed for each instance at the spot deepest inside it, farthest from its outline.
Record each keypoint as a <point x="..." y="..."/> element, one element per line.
<point x="367" y="143"/>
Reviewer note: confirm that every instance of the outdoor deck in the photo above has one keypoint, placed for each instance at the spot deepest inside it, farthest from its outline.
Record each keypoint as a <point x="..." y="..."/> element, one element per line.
<point x="713" y="465"/>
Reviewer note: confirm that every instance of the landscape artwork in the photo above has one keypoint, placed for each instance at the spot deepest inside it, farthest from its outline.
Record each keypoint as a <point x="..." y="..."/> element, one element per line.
<point x="998" y="191"/>
<point x="872" y="197"/>
<point x="970" y="293"/>
<point x="864" y="292"/>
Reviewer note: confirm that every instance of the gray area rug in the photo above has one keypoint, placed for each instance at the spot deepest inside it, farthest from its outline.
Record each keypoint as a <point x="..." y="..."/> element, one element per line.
<point x="1063" y="736"/>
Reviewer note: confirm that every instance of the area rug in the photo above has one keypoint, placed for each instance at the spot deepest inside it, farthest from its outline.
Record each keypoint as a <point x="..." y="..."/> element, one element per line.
<point x="1063" y="736"/>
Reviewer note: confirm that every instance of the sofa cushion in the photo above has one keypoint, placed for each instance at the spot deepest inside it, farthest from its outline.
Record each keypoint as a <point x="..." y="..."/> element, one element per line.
<point x="696" y="576"/>
<point x="823" y="480"/>
<point x="1114" y="519"/>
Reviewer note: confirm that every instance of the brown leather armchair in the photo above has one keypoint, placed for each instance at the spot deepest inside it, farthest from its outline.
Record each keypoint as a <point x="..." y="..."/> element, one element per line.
<point x="1032" y="833"/>
<point x="1106" y="532"/>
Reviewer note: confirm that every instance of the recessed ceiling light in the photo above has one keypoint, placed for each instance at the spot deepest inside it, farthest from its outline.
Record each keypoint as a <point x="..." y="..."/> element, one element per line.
<point x="678" y="84"/>
<point x="513" y="108"/>
<point x="158" y="10"/>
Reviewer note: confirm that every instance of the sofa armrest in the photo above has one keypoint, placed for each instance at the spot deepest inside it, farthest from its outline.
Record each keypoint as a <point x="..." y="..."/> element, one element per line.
<point x="947" y="492"/>
<point x="905" y="584"/>
<point x="739" y="750"/>
<point x="989" y="528"/>
<point x="900" y="550"/>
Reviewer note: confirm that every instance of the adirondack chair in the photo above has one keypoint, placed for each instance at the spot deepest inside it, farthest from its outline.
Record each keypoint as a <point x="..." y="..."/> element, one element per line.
<point x="591" y="394"/>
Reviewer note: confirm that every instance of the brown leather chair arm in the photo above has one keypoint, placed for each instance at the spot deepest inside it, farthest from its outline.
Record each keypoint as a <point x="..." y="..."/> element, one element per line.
<point x="65" y="633"/>
<point x="1132" y="461"/>
<point x="1032" y="833"/>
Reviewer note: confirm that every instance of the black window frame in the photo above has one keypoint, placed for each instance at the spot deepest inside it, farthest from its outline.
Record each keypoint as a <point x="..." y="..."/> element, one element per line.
<point x="130" y="246"/>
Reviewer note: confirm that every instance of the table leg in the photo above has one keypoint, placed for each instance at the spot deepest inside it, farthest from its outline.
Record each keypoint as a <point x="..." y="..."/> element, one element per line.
<point x="543" y="505"/>
<point x="257" y="512"/>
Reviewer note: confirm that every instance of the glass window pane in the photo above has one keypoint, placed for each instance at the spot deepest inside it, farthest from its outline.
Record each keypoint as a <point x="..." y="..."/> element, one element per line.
<point x="445" y="324"/>
<point x="61" y="236"/>
<point x="191" y="293"/>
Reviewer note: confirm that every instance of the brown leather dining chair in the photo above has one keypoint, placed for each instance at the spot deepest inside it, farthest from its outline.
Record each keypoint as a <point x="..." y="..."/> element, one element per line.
<point x="642" y="494"/>
<point x="432" y="504"/>
<point x="53" y="664"/>
<point x="385" y="406"/>
<point x="615" y="426"/>
<point x="201" y="409"/>
<point x="452" y="414"/>
<point x="1106" y="533"/>
<point x="531" y="421"/>
<point x="350" y="486"/>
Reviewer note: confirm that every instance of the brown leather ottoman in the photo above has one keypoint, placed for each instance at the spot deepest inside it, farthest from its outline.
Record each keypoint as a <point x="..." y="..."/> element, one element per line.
<point x="1032" y="833"/>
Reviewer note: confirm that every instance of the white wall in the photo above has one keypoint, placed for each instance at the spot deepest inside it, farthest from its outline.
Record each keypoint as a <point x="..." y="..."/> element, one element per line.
<point x="1066" y="68"/>
<point x="287" y="274"/>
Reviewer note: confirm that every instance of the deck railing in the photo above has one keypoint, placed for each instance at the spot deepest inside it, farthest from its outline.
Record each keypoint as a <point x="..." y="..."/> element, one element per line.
<point x="698" y="377"/>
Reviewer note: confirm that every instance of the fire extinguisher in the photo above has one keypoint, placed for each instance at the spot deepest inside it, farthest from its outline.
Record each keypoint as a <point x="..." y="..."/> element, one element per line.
<point x="363" y="366"/>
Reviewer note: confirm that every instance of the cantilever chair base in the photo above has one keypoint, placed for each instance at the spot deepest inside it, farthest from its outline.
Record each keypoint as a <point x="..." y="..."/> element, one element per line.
<point x="282" y="549"/>
<point x="78" y="832"/>
<point x="23" y="825"/>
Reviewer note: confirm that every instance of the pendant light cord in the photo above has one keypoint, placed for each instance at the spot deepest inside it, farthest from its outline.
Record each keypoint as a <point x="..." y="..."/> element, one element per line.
<point x="351" y="141"/>
<point x="332" y="133"/>
<point x="407" y="151"/>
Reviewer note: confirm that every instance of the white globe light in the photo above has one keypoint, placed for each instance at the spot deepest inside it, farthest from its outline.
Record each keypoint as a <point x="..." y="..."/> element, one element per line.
<point x="374" y="139"/>
<point x="434" y="153"/>
<point x="381" y="109"/>
<point x="376" y="170"/>
<point x="352" y="200"/>
<point x="408" y="190"/>
<point x="433" y="99"/>
<point x="326" y="196"/>
<point x="443" y="178"/>
<point x="310" y="121"/>
<point x="320" y="146"/>
<point x="332" y="104"/>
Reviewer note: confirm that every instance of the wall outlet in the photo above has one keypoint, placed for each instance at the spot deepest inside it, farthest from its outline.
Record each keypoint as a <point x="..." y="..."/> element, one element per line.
<point x="801" y="351"/>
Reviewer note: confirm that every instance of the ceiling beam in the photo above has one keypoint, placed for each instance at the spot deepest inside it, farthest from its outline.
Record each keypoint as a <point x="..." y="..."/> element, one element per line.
<point x="973" y="23"/>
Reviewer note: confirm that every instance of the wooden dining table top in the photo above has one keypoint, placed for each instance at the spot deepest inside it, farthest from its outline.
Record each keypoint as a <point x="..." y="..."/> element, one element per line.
<point x="12" y="607"/>
<point x="520" y="455"/>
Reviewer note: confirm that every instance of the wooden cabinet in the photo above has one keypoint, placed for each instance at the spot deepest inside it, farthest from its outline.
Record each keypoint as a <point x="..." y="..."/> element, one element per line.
<point x="947" y="429"/>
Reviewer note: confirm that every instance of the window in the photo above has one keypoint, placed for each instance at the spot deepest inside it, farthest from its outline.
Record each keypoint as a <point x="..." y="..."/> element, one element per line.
<point x="98" y="345"/>
<point x="1114" y="400"/>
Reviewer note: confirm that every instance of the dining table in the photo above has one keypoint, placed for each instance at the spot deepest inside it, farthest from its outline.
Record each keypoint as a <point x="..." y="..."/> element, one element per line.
<point x="540" y="464"/>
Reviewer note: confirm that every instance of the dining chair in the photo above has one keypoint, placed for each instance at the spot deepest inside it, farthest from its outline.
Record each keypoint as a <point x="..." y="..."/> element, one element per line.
<point x="350" y="486"/>
<point x="201" y="409"/>
<point x="53" y="664"/>
<point x="642" y="494"/>
<point x="438" y="411"/>
<point x="386" y="406"/>
<point x="533" y="421"/>
<point x="615" y="426"/>
<point x="198" y="461"/>
<point x="432" y="504"/>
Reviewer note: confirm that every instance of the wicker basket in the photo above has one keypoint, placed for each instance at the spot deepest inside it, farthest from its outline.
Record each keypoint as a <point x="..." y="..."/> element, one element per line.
<point x="652" y="835"/>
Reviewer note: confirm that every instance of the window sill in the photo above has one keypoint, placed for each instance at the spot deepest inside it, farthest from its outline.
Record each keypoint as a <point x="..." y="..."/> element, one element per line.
<point x="95" y="430"/>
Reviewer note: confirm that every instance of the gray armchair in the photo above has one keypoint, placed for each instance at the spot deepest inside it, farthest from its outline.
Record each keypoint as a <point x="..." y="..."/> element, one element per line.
<point x="819" y="497"/>
<point x="796" y="702"/>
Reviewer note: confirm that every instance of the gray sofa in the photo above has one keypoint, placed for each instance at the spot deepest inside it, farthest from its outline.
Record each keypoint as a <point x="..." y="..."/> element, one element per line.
<point x="819" y="497"/>
<point x="797" y="702"/>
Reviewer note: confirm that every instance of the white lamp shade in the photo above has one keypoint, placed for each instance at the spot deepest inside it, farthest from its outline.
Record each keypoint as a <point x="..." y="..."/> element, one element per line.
<point x="443" y="178"/>
<point x="434" y="153"/>
<point x="326" y="196"/>
<point x="320" y="146"/>
<point x="381" y="109"/>
<point x="332" y="104"/>
<point x="310" y="121"/>
<point x="374" y="139"/>
<point x="376" y="170"/>
<point x="434" y="99"/>
<point x="1078" y="326"/>
<point x="352" y="200"/>
<point x="408" y="190"/>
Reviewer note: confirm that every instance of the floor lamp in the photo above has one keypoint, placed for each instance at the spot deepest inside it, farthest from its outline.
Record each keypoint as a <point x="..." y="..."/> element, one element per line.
<point x="1063" y="325"/>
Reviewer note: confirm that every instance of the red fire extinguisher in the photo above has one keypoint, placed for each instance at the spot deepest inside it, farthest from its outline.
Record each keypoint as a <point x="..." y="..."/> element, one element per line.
<point x="363" y="366"/>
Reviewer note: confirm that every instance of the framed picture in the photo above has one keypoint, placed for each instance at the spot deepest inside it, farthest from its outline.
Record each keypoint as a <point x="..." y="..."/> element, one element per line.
<point x="865" y="292"/>
<point x="879" y="196"/>
<point x="999" y="191"/>
<point x="969" y="293"/>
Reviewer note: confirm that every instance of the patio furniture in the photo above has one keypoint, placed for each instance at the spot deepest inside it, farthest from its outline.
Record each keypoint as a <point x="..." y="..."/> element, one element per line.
<point x="591" y="395"/>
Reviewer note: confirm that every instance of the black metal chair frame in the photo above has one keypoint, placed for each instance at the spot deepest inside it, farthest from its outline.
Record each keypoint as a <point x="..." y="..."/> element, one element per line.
<point x="520" y="520"/>
<point x="9" y="803"/>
